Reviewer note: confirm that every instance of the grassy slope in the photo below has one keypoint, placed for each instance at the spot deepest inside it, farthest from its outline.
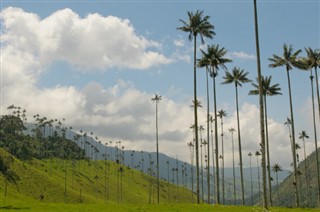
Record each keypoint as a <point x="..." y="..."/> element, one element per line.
<point x="47" y="178"/>
<point x="286" y="189"/>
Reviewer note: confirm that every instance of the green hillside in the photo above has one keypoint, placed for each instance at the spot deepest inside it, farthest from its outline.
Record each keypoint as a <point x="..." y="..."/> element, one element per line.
<point x="60" y="181"/>
<point x="308" y="194"/>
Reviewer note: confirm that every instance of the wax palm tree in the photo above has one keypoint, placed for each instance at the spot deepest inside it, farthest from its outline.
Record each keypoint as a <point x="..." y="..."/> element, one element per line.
<point x="221" y="114"/>
<point x="267" y="90"/>
<point x="215" y="59"/>
<point x="197" y="24"/>
<point x="289" y="60"/>
<point x="238" y="77"/>
<point x="311" y="61"/>
<point x="156" y="99"/>
<point x="261" y="109"/>
<point x="303" y="135"/>
<point x="277" y="168"/>
<point x="232" y="130"/>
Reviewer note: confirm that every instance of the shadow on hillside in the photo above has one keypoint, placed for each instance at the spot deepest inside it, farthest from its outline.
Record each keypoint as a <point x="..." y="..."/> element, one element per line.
<point x="10" y="207"/>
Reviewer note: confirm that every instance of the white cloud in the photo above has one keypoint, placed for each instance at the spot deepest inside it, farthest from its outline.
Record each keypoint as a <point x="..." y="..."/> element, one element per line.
<point x="91" y="42"/>
<point x="179" y="42"/>
<point x="241" y="55"/>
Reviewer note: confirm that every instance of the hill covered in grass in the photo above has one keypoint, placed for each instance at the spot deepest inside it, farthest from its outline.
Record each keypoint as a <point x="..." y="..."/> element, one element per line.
<point x="82" y="181"/>
<point x="307" y="182"/>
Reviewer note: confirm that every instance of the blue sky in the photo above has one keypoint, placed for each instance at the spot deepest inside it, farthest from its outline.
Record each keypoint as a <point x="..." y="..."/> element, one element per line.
<point x="102" y="79"/>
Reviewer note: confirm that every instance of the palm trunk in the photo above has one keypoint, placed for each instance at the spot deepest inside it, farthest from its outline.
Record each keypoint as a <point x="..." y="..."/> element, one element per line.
<point x="158" y="181"/>
<point x="267" y="148"/>
<point x="234" y="174"/>
<point x="240" y="150"/>
<point x="315" y="137"/>
<point x="295" y="183"/>
<point x="261" y="109"/>
<point x="213" y="166"/>
<point x="258" y="178"/>
<point x="208" y="158"/>
<point x="251" y="183"/>
<point x="196" y="115"/>
<point x="277" y="186"/>
<point x="305" y="170"/>
<point x="317" y="84"/>
<point x="216" y="139"/>
<point x="222" y="152"/>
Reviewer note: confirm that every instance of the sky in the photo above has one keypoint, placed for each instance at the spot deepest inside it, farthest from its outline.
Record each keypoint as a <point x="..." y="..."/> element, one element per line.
<point x="98" y="64"/>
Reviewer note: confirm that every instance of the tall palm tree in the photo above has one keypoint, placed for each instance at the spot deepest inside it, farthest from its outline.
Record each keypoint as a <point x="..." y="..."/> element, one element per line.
<point x="221" y="114"/>
<point x="267" y="90"/>
<point x="156" y="99"/>
<point x="232" y="130"/>
<point x="261" y="110"/>
<point x="303" y="135"/>
<point x="238" y="77"/>
<point x="197" y="24"/>
<point x="215" y="59"/>
<point x="289" y="60"/>
<point x="312" y="61"/>
<point x="277" y="168"/>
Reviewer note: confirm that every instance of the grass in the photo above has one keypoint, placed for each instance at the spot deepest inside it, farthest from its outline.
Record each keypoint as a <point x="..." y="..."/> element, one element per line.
<point x="35" y="205"/>
<point x="46" y="178"/>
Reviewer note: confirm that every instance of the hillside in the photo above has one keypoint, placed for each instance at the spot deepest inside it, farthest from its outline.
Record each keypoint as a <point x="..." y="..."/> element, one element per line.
<point x="58" y="181"/>
<point x="286" y="190"/>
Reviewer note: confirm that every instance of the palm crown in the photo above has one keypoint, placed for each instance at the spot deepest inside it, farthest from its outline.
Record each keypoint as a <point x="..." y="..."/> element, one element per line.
<point x="267" y="88"/>
<point x="214" y="57"/>
<point x="237" y="76"/>
<point x="289" y="59"/>
<point x="197" y="24"/>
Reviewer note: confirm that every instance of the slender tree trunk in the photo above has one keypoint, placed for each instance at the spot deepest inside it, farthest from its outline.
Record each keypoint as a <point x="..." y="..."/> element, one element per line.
<point x="196" y="114"/>
<point x="251" y="183"/>
<point x="158" y="181"/>
<point x="259" y="178"/>
<point x="234" y="174"/>
<point x="306" y="170"/>
<point x="317" y="86"/>
<point x="213" y="166"/>
<point x="267" y="148"/>
<point x="315" y="137"/>
<point x="222" y="152"/>
<point x="216" y="139"/>
<point x="240" y="150"/>
<point x="277" y="186"/>
<point x="261" y="109"/>
<point x="208" y="135"/>
<point x="295" y="183"/>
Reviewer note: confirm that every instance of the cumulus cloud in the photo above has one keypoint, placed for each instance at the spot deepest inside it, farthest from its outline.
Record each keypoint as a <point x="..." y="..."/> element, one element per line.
<point x="90" y="42"/>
